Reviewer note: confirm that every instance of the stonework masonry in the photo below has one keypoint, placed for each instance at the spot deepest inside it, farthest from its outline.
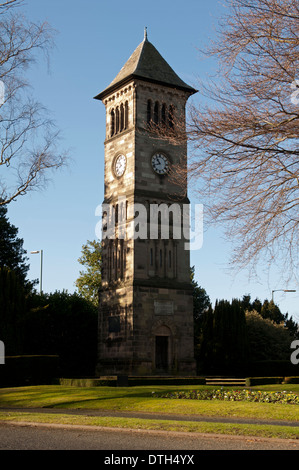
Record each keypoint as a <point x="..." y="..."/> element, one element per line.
<point x="146" y="302"/>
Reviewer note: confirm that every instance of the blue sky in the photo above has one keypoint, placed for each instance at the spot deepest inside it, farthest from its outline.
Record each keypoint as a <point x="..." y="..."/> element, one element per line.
<point x="94" y="40"/>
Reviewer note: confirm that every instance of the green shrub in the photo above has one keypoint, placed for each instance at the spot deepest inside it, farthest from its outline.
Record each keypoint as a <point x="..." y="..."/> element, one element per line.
<point x="271" y="368"/>
<point x="291" y="380"/>
<point x="29" y="370"/>
<point x="233" y="395"/>
<point x="251" y="381"/>
<point x="134" y="381"/>
<point x="85" y="382"/>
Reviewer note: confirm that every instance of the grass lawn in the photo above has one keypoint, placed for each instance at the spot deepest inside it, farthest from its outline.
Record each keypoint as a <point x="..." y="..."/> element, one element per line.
<point x="139" y="399"/>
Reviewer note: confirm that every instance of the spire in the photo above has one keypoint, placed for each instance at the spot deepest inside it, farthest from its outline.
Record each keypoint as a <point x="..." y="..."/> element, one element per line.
<point x="147" y="64"/>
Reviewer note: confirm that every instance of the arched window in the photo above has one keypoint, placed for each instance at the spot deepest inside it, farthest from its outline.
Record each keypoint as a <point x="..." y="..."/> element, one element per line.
<point x="122" y="118"/>
<point x="156" y="113"/>
<point x="149" y="112"/>
<point x="116" y="213"/>
<point x="126" y="114"/>
<point x="163" y="114"/>
<point x="112" y="123"/>
<point x="117" y="120"/>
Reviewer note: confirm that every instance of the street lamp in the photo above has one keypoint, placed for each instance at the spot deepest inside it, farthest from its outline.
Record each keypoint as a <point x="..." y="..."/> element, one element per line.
<point x="41" y="268"/>
<point x="281" y="290"/>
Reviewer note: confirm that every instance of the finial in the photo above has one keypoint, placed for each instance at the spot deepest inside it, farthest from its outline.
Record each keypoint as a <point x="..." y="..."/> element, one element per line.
<point x="145" y="33"/>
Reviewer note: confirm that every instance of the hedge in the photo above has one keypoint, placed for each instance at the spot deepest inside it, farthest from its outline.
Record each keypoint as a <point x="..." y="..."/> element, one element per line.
<point x="125" y="381"/>
<point x="271" y="369"/>
<point x="29" y="370"/>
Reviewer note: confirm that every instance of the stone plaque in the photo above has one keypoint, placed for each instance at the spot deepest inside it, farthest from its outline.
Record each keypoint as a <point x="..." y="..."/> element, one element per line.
<point x="163" y="307"/>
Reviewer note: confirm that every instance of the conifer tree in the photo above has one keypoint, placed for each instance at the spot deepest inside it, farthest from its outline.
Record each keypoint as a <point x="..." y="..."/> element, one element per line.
<point x="12" y="310"/>
<point x="12" y="253"/>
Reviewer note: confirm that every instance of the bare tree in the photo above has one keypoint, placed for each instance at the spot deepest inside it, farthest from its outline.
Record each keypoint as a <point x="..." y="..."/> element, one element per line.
<point x="28" y="138"/>
<point x="244" y="155"/>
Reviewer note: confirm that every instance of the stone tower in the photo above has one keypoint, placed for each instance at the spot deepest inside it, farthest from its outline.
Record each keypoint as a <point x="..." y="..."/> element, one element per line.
<point x="146" y="305"/>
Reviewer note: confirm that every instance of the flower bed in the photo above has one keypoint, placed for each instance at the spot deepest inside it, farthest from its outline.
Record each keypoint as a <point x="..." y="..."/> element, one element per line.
<point x="233" y="395"/>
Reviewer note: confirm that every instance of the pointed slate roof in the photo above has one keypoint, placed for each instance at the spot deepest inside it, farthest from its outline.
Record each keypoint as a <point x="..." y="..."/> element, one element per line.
<point x="146" y="63"/>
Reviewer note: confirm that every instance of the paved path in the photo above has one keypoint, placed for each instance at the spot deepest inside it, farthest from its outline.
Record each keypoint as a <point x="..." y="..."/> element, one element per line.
<point x="25" y="436"/>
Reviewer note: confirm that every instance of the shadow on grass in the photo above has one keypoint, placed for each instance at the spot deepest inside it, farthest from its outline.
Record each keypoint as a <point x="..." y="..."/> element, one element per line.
<point x="88" y="402"/>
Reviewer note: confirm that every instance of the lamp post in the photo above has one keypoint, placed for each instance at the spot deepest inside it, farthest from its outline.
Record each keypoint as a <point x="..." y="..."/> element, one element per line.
<point x="281" y="290"/>
<point x="41" y="269"/>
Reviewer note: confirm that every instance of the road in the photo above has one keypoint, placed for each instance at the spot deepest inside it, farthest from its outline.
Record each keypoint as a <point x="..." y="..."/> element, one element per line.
<point x="60" y="437"/>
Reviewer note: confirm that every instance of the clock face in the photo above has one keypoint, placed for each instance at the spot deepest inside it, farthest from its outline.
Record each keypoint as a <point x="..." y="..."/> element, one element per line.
<point x="120" y="165"/>
<point x="160" y="164"/>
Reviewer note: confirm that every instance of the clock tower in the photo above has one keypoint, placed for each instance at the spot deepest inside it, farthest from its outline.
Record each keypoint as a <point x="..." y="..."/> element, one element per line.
<point x="146" y="302"/>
